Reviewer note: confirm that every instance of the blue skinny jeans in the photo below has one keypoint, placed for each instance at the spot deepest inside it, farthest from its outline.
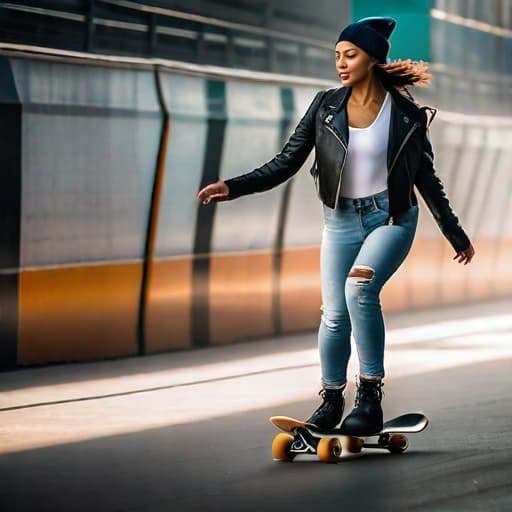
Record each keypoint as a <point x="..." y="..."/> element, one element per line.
<point x="358" y="254"/>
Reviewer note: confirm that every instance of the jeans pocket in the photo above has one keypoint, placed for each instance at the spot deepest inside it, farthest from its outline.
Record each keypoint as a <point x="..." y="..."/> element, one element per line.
<point x="381" y="204"/>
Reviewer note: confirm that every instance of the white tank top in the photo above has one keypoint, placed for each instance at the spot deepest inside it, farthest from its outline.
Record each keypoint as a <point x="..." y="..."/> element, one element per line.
<point x="366" y="170"/>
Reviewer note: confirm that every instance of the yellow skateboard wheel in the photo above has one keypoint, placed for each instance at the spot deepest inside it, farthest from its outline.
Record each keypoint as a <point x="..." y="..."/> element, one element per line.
<point x="329" y="449"/>
<point x="281" y="447"/>
<point x="354" y="444"/>
<point x="398" y="443"/>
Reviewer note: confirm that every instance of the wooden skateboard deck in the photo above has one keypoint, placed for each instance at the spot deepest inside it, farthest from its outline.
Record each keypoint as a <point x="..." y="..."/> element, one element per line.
<point x="302" y="437"/>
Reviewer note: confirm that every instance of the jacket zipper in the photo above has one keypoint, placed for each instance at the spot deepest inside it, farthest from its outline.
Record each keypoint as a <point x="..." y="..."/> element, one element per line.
<point x="406" y="138"/>
<point x="327" y="120"/>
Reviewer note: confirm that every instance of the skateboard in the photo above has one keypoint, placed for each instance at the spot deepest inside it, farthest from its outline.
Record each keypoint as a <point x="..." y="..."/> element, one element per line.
<point x="328" y="445"/>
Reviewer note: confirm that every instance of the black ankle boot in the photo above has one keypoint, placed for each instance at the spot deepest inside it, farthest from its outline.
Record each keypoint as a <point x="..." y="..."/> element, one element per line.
<point x="366" y="416"/>
<point x="329" y="414"/>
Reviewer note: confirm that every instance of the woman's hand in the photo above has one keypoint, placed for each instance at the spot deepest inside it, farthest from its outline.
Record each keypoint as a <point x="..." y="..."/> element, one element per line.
<point x="218" y="190"/>
<point x="465" y="255"/>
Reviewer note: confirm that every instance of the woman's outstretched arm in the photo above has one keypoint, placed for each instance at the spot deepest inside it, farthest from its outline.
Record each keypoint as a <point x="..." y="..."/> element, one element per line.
<point x="277" y="170"/>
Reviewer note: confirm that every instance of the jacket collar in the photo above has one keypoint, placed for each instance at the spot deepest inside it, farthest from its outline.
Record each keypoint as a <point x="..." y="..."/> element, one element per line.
<point x="404" y="116"/>
<point x="400" y="102"/>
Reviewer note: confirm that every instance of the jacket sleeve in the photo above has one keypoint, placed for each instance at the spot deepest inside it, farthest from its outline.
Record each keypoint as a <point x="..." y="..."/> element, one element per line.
<point x="432" y="190"/>
<point x="286" y="163"/>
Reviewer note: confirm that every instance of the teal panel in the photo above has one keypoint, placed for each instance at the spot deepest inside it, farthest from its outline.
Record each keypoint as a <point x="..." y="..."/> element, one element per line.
<point x="8" y="92"/>
<point x="288" y="104"/>
<point x="411" y="37"/>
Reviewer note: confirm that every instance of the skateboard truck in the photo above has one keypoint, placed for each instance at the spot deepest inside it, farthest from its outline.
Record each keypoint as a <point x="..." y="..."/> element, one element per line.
<point x="301" y="443"/>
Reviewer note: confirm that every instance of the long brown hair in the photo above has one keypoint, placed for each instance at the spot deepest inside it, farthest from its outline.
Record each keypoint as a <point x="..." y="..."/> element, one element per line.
<point x="400" y="73"/>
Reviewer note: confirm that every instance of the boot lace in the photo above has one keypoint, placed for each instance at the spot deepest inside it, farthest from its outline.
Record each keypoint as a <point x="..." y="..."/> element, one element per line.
<point x="368" y="390"/>
<point x="330" y="398"/>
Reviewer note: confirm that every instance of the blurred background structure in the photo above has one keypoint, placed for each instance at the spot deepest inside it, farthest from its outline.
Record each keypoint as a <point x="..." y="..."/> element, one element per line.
<point x="114" y="113"/>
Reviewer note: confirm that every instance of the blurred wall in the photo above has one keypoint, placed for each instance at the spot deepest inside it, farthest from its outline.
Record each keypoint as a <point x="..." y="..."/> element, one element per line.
<point x="101" y="158"/>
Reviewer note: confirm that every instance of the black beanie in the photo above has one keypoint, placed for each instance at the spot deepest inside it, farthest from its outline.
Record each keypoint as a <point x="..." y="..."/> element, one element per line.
<point x="371" y="34"/>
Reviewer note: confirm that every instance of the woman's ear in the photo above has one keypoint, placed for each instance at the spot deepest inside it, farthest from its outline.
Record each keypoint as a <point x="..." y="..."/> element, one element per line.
<point x="373" y="62"/>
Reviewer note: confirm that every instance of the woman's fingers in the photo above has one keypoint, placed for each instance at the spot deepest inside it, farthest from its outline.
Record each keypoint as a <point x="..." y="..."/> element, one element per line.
<point x="465" y="256"/>
<point x="206" y="191"/>
<point x="212" y="191"/>
<point x="470" y="252"/>
<point x="214" y="196"/>
<point x="460" y="256"/>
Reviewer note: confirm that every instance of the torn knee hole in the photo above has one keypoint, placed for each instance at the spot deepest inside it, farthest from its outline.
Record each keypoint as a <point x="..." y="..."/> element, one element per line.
<point x="361" y="271"/>
<point x="363" y="274"/>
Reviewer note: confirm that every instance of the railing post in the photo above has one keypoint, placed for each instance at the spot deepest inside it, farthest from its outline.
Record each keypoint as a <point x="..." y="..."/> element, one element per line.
<point x="271" y="47"/>
<point x="301" y="60"/>
<point x="271" y="54"/>
<point x="153" y="35"/>
<point x="89" y="43"/>
<point x="200" y="44"/>
<point x="230" y="48"/>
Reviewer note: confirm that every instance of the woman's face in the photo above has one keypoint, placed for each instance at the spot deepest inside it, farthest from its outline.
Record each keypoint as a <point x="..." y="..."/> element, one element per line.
<point x="352" y="63"/>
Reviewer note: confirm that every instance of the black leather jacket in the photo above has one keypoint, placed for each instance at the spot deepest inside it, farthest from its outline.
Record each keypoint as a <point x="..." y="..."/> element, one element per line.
<point x="410" y="159"/>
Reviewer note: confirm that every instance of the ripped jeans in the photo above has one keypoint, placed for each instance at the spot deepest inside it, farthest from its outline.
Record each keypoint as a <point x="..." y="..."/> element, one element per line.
<point x="358" y="254"/>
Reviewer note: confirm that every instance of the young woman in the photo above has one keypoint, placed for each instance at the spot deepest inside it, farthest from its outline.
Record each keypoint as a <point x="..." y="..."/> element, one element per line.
<point x="372" y="146"/>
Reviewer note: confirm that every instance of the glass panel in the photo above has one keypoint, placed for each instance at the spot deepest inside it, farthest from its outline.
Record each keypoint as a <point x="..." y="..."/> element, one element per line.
<point x="90" y="144"/>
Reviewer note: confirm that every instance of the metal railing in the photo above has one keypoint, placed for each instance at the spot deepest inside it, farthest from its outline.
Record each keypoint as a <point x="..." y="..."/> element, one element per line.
<point x="156" y="31"/>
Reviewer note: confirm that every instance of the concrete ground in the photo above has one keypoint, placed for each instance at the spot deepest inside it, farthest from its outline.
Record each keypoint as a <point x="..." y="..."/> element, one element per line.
<point x="189" y="430"/>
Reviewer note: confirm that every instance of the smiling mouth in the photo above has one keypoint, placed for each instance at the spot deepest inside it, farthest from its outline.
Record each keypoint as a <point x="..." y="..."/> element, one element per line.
<point x="344" y="75"/>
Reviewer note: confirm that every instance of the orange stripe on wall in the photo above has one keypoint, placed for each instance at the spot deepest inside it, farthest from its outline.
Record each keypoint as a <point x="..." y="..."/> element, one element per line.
<point x="301" y="294"/>
<point x="300" y="289"/>
<point x="240" y="297"/>
<point x="428" y="277"/>
<point x="419" y="275"/>
<point x="78" y="313"/>
<point x="501" y="278"/>
<point x="168" y="313"/>
<point x="91" y="312"/>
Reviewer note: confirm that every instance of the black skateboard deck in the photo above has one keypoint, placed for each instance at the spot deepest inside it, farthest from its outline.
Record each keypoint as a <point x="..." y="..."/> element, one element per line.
<point x="328" y="445"/>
